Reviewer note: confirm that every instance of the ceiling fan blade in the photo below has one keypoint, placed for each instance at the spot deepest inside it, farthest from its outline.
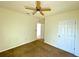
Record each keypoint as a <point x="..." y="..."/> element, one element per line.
<point x="41" y="13"/>
<point x="30" y="8"/>
<point x="34" y="12"/>
<point x="46" y="9"/>
<point x="38" y="3"/>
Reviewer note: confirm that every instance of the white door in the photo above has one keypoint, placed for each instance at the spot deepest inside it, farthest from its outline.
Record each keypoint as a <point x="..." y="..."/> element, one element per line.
<point x="66" y="35"/>
<point x="77" y="39"/>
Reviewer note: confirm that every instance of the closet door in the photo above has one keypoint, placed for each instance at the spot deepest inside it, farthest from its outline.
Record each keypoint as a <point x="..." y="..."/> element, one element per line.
<point x="77" y="39"/>
<point x="66" y="35"/>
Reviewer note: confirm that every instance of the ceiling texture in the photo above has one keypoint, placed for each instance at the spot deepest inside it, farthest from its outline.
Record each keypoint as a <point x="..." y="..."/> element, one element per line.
<point x="56" y="6"/>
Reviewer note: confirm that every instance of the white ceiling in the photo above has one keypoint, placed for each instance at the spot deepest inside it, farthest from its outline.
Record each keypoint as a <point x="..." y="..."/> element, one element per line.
<point x="56" y="6"/>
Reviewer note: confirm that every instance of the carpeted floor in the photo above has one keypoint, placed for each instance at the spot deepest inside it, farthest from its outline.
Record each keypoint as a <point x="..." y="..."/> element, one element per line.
<point x="36" y="49"/>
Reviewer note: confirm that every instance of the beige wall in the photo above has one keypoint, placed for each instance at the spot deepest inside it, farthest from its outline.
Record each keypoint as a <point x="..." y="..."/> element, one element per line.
<point x="51" y="26"/>
<point x="15" y="29"/>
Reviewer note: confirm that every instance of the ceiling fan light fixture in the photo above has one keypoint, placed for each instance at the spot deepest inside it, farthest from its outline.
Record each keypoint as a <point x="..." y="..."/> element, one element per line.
<point x="38" y="8"/>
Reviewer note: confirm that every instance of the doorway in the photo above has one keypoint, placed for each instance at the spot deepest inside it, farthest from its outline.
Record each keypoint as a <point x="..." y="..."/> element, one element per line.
<point x="38" y="32"/>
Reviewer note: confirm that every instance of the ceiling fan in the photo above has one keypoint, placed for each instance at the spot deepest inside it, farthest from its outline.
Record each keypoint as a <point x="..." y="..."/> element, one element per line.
<point x="38" y="8"/>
